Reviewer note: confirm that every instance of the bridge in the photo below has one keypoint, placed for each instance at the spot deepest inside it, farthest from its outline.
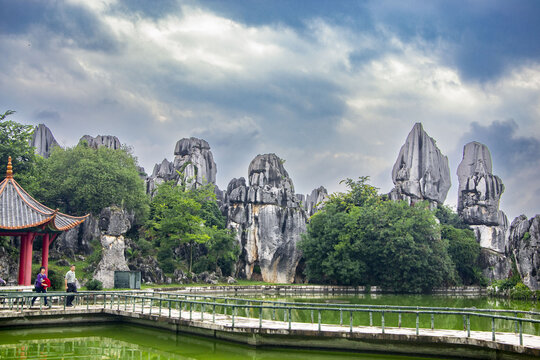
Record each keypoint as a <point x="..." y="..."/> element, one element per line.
<point x="512" y="333"/>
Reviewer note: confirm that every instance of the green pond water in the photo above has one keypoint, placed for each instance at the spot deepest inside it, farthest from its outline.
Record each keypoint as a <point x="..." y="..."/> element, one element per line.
<point x="134" y="342"/>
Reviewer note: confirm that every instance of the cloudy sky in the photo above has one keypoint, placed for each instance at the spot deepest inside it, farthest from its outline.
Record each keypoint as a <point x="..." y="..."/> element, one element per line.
<point x="333" y="87"/>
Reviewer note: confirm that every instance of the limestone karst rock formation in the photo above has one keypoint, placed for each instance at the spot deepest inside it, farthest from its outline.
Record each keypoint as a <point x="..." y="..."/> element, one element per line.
<point x="43" y="140"/>
<point x="193" y="158"/>
<point x="420" y="172"/>
<point x="479" y="193"/>
<point x="524" y="245"/>
<point x="268" y="218"/>
<point x="109" y="141"/>
<point x="113" y="224"/>
<point x="313" y="202"/>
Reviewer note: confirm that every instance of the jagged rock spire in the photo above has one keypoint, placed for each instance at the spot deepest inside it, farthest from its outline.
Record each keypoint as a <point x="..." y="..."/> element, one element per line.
<point x="420" y="172"/>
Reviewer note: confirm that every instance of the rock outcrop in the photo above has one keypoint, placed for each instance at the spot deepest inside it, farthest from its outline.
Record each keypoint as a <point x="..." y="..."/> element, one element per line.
<point x="524" y="245"/>
<point x="113" y="224"/>
<point x="193" y="159"/>
<point x="313" y="202"/>
<point x="109" y="141"/>
<point x="76" y="240"/>
<point x="43" y="140"/>
<point x="479" y="193"/>
<point x="421" y="172"/>
<point x="268" y="219"/>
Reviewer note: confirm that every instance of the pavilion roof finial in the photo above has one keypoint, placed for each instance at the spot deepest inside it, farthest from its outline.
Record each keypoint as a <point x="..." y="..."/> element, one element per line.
<point x="9" y="173"/>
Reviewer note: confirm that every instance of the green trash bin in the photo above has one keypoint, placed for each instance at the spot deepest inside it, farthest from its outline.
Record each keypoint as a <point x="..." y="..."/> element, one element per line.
<point x="127" y="279"/>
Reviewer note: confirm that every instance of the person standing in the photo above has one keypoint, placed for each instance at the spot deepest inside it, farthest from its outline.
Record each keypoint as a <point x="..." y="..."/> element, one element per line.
<point x="71" y="285"/>
<point x="39" y="284"/>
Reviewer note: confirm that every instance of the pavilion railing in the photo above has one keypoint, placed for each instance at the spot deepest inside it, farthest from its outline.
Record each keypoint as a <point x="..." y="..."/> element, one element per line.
<point x="233" y="310"/>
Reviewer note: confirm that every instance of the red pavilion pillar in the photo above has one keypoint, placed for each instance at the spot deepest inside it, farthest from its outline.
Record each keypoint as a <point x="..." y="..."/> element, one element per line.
<point x="45" y="252"/>
<point x="28" y="259"/>
<point x="22" y="260"/>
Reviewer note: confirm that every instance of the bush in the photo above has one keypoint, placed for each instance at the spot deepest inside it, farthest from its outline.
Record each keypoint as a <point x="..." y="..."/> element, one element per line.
<point x="521" y="291"/>
<point x="94" y="284"/>
<point x="57" y="280"/>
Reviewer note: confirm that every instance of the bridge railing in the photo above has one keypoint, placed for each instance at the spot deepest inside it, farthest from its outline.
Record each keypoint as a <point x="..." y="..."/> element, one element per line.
<point x="232" y="310"/>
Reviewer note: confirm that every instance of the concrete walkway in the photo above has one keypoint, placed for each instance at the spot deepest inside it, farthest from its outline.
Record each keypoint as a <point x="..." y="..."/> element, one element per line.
<point x="252" y="331"/>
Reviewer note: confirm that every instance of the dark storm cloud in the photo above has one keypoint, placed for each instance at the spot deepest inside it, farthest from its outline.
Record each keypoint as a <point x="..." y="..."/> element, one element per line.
<point x="145" y="8"/>
<point x="48" y="115"/>
<point x="482" y="39"/>
<point x="510" y="153"/>
<point x="76" y="25"/>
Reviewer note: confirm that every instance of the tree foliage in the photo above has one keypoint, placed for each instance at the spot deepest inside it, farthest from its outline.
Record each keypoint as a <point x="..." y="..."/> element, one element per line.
<point x="182" y="218"/>
<point x="82" y="179"/>
<point x="360" y="239"/>
<point x="15" y="142"/>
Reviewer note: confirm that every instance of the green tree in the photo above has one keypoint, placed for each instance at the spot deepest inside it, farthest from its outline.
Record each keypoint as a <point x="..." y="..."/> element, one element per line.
<point x="189" y="217"/>
<point x="15" y="142"/>
<point x="82" y="179"/>
<point x="464" y="251"/>
<point x="360" y="239"/>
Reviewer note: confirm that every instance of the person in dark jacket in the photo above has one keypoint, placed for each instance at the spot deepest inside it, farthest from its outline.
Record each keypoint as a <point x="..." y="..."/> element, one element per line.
<point x="39" y="286"/>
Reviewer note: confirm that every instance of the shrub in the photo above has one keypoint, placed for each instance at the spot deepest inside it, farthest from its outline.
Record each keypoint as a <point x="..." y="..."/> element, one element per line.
<point x="521" y="291"/>
<point x="94" y="284"/>
<point x="57" y="280"/>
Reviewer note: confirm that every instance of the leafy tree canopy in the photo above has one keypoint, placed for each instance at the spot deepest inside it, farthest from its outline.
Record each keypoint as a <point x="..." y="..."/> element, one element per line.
<point x="15" y="142"/>
<point x="182" y="217"/>
<point x="360" y="239"/>
<point x="82" y="179"/>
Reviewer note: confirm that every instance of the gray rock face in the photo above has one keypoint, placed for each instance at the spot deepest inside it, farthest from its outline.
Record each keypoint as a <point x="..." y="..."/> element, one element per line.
<point x="268" y="219"/>
<point x="313" y="202"/>
<point x="479" y="193"/>
<point x="76" y="240"/>
<point x="43" y="140"/>
<point x="109" y="141"/>
<point x="524" y="244"/>
<point x="113" y="224"/>
<point x="479" y="190"/>
<point x="193" y="158"/>
<point x="421" y="172"/>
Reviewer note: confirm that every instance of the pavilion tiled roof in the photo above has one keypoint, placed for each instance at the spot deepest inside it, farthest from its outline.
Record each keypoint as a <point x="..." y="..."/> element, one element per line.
<point x="20" y="211"/>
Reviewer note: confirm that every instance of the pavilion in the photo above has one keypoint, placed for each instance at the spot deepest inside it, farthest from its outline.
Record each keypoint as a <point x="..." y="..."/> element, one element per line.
<point x="22" y="215"/>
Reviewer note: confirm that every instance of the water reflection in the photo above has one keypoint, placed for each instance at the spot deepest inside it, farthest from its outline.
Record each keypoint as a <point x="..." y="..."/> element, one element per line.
<point x="134" y="342"/>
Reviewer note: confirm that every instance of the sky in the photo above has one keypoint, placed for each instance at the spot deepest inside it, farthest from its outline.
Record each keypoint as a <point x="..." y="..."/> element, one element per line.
<point x="332" y="87"/>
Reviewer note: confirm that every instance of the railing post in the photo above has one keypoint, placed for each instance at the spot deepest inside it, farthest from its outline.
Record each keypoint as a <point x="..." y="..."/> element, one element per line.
<point x="160" y="301"/>
<point x="464" y="323"/>
<point x="169" y="308"/>
<point x="340" y="317"/>
<point x="312" y="316"/>
<point x="260" y="316"/>
<point x="190" y="311"/>
<point x="468" y="325"/>
<point x="351" y="322"/>
<point x="417" y="323"/>
<point x="520" y="333"/>
<point x="399" y="320"/>
<point x="290" y="316"/>
<point x="214" y="313"/>
<point x="142" y="305"/>
<point x="203" y="307"/>
<point x="233" y="314"/>
<point x="151" y="305"/>
<point x="382" y="321"/>
<point x="319" y="312"/>
<point x="492" y="328"/>
<point x="432" y="321"/>
<point x="370" y="318"/>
